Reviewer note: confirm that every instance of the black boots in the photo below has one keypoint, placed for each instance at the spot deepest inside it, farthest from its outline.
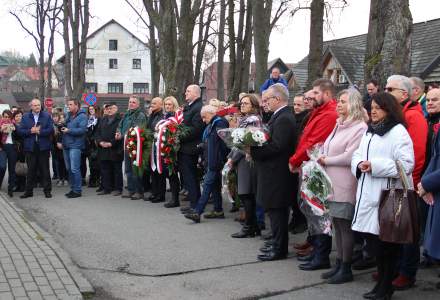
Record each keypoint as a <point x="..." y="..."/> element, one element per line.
<point x="246" y="231"/>
<point x="333" y="271"/>
<point x="343" y="275"/>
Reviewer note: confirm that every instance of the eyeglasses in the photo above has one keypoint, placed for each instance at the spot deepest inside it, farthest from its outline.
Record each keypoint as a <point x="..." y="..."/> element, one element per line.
<point x="391" y="89"/>
<point x="245" y="103"/>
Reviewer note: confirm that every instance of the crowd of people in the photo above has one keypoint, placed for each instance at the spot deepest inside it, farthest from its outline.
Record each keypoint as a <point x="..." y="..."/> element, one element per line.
<point x="362" y="139"/>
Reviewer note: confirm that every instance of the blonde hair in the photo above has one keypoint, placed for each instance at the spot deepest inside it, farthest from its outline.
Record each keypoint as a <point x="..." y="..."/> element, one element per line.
<point x="355" y="106"/>
<point x="215" y="102"/>
<point x="173" y="100"/>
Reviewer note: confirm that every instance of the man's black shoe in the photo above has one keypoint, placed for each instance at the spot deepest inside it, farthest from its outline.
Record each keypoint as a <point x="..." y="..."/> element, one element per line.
<point x="27" y="195"/>
<point x="68" y="194"/>
<point x="185" y="209"/>
<point x="266" y="249"/>
<point x="195" y="217"/>
<point x="266" y="237"/>
<point x="364" y="264"/>
<point x="103" y="193"/>
<point x="305" y="258"/>
<point x="99" y="190"/>
<point x="47" y="195"/>
<point x="72" y="194"/>
<point x="10" y="194"/>
<point x="157" y="200"/>
<point x="271" y="256"/>
<point x="171" y="204"/>
<point x="312" y="266"/>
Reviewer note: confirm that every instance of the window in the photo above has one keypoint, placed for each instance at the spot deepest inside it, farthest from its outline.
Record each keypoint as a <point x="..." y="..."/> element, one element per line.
<point x="113" y="45"/>
<point x="115" y="88"/>
<point x="140" y="88"/>
<point x="136" y="63"/>
<point x="91" y="87"/>
<point x="90" y="63"/>
<point x="113" y="63"/>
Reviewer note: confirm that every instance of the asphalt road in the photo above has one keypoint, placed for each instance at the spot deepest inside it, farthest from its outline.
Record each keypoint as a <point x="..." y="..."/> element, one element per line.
<point x="139" y="250"/>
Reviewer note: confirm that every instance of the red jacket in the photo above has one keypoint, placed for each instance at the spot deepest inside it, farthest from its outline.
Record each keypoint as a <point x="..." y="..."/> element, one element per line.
<point x="418" y="131"/>
<point x="319" y="126"/>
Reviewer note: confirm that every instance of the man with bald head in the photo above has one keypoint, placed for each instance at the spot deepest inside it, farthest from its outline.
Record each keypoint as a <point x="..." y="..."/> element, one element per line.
<point x="36" y="127"/>
<point x="188" y="153"/>
<point x="157" y="180"/>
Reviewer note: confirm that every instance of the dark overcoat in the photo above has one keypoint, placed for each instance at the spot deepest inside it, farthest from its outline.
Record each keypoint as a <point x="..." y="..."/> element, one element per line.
<point x="275" y="183"/>
<point x="431" y="184"/>
<point x="105" y="132"/>
<point x="193" y="120"/>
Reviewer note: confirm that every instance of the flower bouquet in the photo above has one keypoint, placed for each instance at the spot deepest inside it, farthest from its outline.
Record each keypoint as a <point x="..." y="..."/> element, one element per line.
<point x="229" y="185"/>
<point x="244" y="137"/>
<point x="138" y="144"/>
<point x="316" y="190"/>
<point x="167" y="137"/>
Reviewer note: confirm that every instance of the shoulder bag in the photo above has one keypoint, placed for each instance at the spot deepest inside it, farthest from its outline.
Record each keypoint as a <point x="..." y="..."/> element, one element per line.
<point x="398" y="217"/>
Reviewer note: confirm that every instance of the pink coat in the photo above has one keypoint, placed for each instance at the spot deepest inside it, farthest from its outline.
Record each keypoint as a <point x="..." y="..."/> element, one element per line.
<point x="338" y="150"/>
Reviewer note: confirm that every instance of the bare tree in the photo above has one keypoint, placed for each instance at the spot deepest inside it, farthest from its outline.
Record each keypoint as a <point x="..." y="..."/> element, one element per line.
<point x="221" y="52"/>
<point x="203" y="34"/>
<point x="389" y="40"/>
<point x="263" y="24"/>
<point x="175" y="27"/>
<point x="75" y="21"/>
<point x="152" y="45"/>
<point x="41" y="12"/>
<point x="314" y="68"/>
<point x="53" y="21"/>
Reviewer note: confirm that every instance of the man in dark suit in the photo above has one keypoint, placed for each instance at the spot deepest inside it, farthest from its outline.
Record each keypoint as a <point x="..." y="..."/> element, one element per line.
<point x="36" y="127"/>
<point x="188" y="153"/>
<point x="275" y="182"/>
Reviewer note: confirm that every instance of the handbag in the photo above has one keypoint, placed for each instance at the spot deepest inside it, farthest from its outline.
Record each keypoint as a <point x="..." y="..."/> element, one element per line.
<point x="398" y="217"/>
<point x="21" y="168"/>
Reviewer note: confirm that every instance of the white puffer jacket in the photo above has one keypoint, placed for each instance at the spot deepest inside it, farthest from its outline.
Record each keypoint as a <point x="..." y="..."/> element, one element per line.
<point x="382" y="152"/>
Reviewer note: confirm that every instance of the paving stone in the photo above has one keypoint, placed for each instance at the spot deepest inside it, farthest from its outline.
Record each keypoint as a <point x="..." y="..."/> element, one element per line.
<point x="6" y="260"/>
<point x="52" y="276"/>
<point x="19" y="292"/>
<point x="33" y="265"/>
<point x="46" y="290"/>
<point x="41" y="281"/>
<point x="26" y="277"/>
<point x="4" y="287"/>
<point x="15" y="282"/>
<point x="22" y="298"/>
<point x="37" y="272"/>
<point x="35" y="296"/>
<point x="11" y="274"/>
<point x="20" y="263"/>
<point x="56" y="284"/>
<point x="30" y="286"/>
<point x="67" y="280"/>
<point x="8" y="267"/>
<point x="62" y="272"/>
<point x="47" y="268"/>
<point x="3" y="278"/>
<point x="6" y="296"/>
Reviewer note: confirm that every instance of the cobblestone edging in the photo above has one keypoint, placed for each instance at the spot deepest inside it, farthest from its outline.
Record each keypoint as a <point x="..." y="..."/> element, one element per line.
<point x="32" y="264"/>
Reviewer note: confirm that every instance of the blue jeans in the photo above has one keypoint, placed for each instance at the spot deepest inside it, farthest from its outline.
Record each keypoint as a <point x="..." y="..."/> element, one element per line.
<point x="72" y="159"/>
<point x="134" y="182"/>
<point x="259" y="213"/>
<point x="211" y="186"/>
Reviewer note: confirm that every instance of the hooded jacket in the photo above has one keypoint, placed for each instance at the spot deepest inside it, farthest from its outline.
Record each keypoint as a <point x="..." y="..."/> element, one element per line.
<point x="417" y="127"/>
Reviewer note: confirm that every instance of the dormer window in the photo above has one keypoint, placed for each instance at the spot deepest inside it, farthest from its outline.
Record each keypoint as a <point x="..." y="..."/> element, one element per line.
<point x="113" y="45"/>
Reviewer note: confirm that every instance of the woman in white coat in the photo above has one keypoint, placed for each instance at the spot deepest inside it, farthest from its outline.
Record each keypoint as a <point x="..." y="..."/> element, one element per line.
<point x="385" y="142"/>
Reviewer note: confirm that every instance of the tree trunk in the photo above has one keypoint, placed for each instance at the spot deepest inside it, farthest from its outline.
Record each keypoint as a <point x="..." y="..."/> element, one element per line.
<point x="231" y="37"/>
<point x="388" y="41"/>
<point x="154" y="62"/>
<point x="221" y="52"/>
<point x="247" y="41"/>
<point x="238" y="68"/>
<point x="261" y="22"/>
<point x="67" y="9"/>
<point x="316" y="41"/>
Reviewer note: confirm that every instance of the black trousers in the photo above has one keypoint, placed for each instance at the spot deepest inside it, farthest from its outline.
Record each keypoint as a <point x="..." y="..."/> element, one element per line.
<point x="250" y="205"/>
<point x="158" y="184"/>
<point x="387" y="256"/>
<point x="111" y="174"/>
<point x="279" y="223"/>
<point x="188" y="170"/>
<point x="38" y="160"/>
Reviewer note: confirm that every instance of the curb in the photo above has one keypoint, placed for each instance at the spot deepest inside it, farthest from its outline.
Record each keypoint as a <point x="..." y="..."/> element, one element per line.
<point x="82" y="283"/>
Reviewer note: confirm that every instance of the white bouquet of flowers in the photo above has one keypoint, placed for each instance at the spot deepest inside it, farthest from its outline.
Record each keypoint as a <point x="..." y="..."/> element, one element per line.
<point x="244" y="137"/>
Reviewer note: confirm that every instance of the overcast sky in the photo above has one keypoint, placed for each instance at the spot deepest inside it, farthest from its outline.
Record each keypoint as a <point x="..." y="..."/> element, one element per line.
<point x="290" y="40"/>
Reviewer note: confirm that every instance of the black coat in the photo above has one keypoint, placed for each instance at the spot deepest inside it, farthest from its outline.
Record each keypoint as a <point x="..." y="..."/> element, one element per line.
<point x="214" y="149"/>
<point x="275" y="183"/>
<point x="153" y="119"/>
<point x="105" y="132"/>
<point x="192" y="119"/>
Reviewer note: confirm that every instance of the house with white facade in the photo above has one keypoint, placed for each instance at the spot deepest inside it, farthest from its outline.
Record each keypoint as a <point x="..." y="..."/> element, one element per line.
<point x="117" y="65"/>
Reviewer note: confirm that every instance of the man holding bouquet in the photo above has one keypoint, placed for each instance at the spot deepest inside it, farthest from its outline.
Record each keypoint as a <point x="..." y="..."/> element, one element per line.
<point x="273" y="176"/>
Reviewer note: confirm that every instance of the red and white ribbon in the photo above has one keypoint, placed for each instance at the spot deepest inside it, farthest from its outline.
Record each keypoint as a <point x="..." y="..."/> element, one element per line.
<point x="138" y="161"/>
<point x="161" y="127"/>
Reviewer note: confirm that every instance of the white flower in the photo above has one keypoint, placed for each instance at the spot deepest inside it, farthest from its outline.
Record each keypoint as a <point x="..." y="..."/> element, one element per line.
<point x="133" y="152"/>
<point x="133" y="132"/>
<point x="131" y="143"/>
<point x="259" y="137"/>
<point x="237" y="135"/>
<point x="163" y="139"/>
<point x="135" y="163"/>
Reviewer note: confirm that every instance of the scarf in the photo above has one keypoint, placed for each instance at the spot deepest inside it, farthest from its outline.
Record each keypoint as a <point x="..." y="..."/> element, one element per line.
<point x="382" y="127"/>
<point x="92" y="121"/>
